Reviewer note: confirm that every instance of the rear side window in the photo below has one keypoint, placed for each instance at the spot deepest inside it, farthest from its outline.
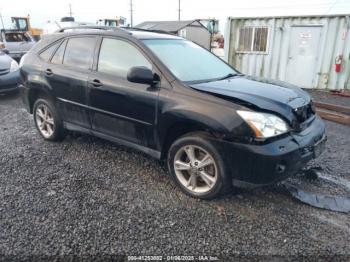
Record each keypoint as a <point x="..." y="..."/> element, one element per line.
<point x="58" y="57"/>
<point x="47" y="53"/>
<point x="79" y="52"/>
<point x="117" y="57"/>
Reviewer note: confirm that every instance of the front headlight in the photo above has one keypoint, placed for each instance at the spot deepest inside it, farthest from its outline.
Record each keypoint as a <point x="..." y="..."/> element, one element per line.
<point x="264" y="125"/>
<point x="22" y="60"/>
<point x="14" y="66"/>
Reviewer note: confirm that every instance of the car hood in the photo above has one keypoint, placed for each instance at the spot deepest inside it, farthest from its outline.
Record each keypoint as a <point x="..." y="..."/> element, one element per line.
<point x="5" y="62"/>
<point x="266" y="94"/>
<point x="19" y="47"/>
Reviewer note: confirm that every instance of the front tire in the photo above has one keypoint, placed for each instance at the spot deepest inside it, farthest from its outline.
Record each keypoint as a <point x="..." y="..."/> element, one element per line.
<point x="47" y="120"/>
<point x="197" y="168"/>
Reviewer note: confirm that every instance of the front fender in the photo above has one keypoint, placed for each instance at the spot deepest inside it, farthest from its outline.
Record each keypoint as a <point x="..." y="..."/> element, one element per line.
<point x="219" y="119"/>
<point x="206" y="118"/>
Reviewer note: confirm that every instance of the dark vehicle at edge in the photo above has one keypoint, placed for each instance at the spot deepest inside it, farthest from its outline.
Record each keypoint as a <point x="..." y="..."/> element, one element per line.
<point x="9" y="73"/>
<point x="173" y="100"/>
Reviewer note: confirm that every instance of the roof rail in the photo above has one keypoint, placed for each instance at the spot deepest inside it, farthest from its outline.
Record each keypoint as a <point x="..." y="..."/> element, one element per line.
<point x="147" y="30"/>
<point x="86" y="27"/>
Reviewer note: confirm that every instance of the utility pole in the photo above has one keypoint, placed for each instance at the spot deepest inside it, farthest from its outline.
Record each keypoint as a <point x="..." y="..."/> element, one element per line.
<point x="2" y="21"/>
<point x="131" y="14"/>
<point x="70" y="10"/>
<point x="179" y="10"/>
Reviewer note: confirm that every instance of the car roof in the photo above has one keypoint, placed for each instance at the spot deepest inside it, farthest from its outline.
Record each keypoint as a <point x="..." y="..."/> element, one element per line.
<point x="131" y="32"/>
<point x="135" y="33"/>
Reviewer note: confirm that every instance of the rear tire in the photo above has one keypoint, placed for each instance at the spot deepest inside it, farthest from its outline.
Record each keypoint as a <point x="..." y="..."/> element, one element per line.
<point x="197" y="168"/>
<point x="47" y="120"/>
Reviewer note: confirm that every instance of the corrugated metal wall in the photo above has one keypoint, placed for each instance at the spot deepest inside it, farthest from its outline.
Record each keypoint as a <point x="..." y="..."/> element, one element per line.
<point x="334" y="40"/>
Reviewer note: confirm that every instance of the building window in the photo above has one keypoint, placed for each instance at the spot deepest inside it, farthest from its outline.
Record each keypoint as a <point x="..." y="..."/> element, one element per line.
<point x="253" y="39"/>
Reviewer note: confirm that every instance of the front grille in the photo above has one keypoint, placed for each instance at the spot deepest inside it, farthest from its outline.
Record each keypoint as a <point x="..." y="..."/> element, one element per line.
<point x="4" y="71"/>
<point x="307" y="150"/>
<point x="303" y="113"/>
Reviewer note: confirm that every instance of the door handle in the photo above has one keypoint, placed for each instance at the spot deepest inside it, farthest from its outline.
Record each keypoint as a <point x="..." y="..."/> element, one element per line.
<point x="48" y="72"/>
<point x="96" y="83"/>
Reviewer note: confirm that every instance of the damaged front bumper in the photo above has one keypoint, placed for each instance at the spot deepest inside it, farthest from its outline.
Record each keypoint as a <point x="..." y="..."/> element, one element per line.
<point x="257" y="165"/>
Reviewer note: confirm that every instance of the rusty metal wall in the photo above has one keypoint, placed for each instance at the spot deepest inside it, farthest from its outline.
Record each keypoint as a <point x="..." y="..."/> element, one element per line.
<point x="334" y="40"/>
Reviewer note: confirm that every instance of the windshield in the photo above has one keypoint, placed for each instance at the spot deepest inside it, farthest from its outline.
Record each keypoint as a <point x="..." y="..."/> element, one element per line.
<point x="188" y="61"/>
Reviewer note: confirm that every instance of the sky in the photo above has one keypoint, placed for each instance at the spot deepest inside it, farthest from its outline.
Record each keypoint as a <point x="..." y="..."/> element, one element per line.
<point x="42" y="11"/>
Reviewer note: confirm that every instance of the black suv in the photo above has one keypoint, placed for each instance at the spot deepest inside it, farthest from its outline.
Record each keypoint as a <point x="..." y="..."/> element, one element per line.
<point x="173" y="100"/>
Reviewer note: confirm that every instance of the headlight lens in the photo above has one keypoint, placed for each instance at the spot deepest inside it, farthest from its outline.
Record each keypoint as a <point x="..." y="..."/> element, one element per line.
<point x="14" y="66"/>
<point x="22" y="60"/>
<point x="264" y="125"/>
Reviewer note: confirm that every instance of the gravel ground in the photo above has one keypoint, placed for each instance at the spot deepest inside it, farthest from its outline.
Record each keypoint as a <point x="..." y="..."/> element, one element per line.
<point x="88" y="197"/>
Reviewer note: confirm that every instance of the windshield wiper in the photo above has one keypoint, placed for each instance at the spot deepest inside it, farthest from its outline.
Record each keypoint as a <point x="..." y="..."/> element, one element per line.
<point x="213" y="79"/>
<point x="228" y="76"/>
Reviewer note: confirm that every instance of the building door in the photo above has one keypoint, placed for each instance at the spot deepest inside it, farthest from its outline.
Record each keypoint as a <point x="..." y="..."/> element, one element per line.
<point x="303" y="55"/>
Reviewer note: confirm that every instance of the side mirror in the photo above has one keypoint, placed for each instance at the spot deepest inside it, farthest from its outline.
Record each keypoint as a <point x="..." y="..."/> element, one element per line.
<point x="141" y="75"/>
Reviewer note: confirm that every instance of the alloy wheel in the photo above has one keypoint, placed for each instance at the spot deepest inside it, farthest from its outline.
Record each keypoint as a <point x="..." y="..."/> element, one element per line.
<point x="44" y="120"/>
<point x="195" y="168"/>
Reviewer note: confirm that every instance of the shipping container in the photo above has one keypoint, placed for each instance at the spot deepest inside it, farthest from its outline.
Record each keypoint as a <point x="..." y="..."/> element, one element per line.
<point x="309" y="51"/>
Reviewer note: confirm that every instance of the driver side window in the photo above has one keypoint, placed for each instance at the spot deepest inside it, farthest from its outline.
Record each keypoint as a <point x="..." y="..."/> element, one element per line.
<point x="118" y="56"/>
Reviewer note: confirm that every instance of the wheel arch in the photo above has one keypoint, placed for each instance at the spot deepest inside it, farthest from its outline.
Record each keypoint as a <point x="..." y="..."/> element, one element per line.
<point x="179" y="129"/>
<point x="36" y="93"/>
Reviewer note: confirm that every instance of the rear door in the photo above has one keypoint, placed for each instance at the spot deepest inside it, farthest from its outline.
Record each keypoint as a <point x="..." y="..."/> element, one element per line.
<point x="67" y="74"/>
<point x="119" y="108"/>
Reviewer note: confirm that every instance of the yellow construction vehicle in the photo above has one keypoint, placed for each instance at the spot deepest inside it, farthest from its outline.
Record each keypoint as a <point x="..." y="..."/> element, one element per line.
<point x="23" y="24"/>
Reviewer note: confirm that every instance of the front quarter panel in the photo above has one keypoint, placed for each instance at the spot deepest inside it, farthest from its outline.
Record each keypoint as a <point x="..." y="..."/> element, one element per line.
<point x="206" y="111"/>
